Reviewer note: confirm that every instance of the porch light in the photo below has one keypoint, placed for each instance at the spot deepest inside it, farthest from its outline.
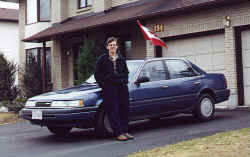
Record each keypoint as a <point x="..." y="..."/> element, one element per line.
<point x="227" y="21"/>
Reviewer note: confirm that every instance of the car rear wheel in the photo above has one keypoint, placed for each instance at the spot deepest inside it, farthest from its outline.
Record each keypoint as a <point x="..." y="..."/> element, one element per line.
<point x="103" y="127"/>
<point x="60" y="131"/>
<point x="204" y="111"/>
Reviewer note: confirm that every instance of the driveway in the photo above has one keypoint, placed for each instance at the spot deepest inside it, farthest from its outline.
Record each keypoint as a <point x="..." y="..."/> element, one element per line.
<point x="25" y="140"/>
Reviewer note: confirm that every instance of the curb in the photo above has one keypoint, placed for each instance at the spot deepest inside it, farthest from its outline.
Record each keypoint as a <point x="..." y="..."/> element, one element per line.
<point x="230" y="108"/>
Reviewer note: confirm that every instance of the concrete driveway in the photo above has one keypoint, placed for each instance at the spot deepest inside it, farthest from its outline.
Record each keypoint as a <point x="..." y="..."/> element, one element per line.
<point x="25" y="140"/>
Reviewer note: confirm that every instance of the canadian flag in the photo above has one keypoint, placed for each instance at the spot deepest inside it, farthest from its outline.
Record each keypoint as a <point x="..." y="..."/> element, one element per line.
<point x="149" y="35"/>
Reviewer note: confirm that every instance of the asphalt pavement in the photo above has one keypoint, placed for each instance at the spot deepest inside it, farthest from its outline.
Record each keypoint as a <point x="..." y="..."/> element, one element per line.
<point x="25" y="140"/>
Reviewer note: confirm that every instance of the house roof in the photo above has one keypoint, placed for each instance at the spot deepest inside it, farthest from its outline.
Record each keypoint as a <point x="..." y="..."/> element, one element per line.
<point x="142" y="9"/>
<point x="8" y="15"/>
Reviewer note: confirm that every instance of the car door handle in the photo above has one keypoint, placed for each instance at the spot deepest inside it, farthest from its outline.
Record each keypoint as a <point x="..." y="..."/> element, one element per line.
<point x="165" y="87"/>
<point x="197" y="83"/>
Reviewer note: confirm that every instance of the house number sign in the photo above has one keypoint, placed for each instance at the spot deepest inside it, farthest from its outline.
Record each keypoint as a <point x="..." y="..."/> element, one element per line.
<point x="158" y="28"/>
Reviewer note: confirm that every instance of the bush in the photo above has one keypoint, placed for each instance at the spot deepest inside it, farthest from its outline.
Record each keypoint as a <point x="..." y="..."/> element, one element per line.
<point x="8" y="89"/>
<point x="32" y="78"/>
<point x="15" y="105"/>
<point x="87" y="59"/>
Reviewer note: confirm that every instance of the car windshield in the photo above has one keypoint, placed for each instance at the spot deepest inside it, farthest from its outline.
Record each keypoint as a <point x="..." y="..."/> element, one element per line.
<point x="132" y="67"/>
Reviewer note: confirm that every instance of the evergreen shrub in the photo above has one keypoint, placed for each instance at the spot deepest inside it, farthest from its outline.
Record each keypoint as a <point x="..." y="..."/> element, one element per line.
<point x="8" y="89"/>
<point x="89" y="53"/>
<point x="32" y="78"/>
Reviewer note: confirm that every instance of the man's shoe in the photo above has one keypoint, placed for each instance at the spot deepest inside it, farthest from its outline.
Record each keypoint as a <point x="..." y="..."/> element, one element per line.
<point x="129" y="137"/>
<point x="122" y="138"/>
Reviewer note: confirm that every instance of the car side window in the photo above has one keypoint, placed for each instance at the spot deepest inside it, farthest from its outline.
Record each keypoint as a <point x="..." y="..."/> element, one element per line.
<point x="154" y="70"/>
<point x="179" y="69"/>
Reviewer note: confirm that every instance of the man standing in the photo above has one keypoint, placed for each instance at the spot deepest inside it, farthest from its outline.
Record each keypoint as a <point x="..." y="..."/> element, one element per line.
<point x="111" y="74"/>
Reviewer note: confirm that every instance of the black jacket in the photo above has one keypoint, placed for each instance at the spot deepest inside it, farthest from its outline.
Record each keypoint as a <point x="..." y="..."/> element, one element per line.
<point x="105" y="74"/>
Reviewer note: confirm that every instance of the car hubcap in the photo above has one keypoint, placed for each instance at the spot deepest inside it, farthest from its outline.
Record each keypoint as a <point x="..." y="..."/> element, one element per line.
<point x="206" y="107"/>
<point x="107" y="124"/>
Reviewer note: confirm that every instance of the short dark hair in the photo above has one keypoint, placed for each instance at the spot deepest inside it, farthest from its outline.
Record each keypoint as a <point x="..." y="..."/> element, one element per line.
<point x="111" y="39"/>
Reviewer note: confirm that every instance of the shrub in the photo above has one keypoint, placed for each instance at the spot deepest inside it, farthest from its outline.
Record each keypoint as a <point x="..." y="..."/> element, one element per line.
<point x="14" y="105"/>
<point x="8" y="89"/>
<point x="87" y="59"/>
<point x="32" y="77"/>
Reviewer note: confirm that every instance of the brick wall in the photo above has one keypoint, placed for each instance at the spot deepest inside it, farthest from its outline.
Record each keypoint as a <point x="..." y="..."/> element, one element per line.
<point x="138" y="46"/>
<point x="56" y="62"/>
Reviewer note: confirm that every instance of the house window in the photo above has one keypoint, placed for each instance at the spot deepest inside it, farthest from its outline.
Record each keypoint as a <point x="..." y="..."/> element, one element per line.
<point x="37" y="11"/>
<point x="44" y="10"/>
<point x="36" y="53"/>
<point x="128" y="47"/>
<point x="158" y="51"/>
<point x="84" y="3"/>
<point x="33" y="54"/>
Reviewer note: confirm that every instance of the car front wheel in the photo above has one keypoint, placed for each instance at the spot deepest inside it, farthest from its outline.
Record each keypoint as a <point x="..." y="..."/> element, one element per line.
<point x="204" y="111"/>
<point x="60" y="131"/>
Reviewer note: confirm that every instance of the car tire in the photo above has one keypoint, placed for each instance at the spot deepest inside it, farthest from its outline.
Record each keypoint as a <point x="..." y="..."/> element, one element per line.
<point x="204" y="110"/>
<point x="59" y="131"/>
<point x="103" y="127"/>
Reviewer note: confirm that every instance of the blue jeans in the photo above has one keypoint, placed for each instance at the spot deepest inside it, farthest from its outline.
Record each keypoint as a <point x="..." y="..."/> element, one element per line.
<point x="116" y="101"/>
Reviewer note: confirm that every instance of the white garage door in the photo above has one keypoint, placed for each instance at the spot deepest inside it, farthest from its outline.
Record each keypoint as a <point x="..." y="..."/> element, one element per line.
<point x="246" y="64"/>
<point x="205" y="51"/>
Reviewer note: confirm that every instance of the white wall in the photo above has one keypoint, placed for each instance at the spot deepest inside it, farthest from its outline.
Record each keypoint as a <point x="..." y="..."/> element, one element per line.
<point x="9" y="5"/>
<point x="9" y="41"/>
<point x="34" y="29"/>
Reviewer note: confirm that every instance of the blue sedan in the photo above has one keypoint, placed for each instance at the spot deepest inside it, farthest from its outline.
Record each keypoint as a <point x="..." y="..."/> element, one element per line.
<point x="157" y="88"/>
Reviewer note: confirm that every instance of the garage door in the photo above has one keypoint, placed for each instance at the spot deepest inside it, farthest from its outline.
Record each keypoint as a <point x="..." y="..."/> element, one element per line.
<point x="205" y="51"/>
<point x="246" y="64"/>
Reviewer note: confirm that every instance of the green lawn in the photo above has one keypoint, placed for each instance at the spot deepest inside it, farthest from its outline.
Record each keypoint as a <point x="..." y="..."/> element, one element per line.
<point x="228" y="144"/>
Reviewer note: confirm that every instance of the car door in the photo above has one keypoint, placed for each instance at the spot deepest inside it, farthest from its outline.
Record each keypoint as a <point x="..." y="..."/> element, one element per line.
<point x="183" y="86"/>
<point x="147" y="97"/>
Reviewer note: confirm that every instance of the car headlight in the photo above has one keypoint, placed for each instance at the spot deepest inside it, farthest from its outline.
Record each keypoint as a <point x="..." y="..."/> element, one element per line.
<point x="30" y="103"/>
<point x="75" y="103"/>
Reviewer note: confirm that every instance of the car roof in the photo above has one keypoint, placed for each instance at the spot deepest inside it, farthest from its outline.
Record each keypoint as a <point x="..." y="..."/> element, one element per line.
<point x="152" y="59"/>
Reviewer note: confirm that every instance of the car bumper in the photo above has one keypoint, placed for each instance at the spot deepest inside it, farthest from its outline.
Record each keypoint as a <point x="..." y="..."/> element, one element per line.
<point x="222" y="95"/>
<point x="77" y="117"/>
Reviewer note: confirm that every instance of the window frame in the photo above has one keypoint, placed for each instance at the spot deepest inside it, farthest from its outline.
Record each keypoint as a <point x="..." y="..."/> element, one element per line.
<point x="158" y="52"/>
<point x="164" y="67"/>
<point x="40" y="58"/>
<point x="38" y="54"/>
<point x="86" y="4"/>
<point x="186" y="63"/>
<point x="38" y="19"/>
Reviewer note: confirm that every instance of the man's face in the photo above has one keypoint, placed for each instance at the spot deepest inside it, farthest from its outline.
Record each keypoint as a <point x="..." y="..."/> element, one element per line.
<point x="112" y="47"/>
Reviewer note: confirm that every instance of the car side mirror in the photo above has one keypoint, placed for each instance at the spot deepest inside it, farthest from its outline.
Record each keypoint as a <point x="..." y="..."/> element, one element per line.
<point x="142" y="80"/>
<point x="188" y="72"/>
